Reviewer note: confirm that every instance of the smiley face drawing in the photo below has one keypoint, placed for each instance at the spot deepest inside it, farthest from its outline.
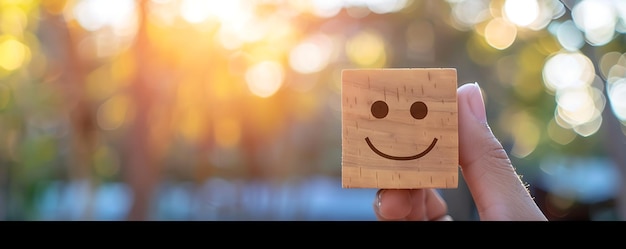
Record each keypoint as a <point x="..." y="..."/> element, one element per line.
<point x="418" y="111"/>
<point x="399" y="128"/>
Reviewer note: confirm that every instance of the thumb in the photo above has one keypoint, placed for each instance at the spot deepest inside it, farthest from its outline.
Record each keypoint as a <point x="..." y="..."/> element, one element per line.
<point x="496" y="188"/>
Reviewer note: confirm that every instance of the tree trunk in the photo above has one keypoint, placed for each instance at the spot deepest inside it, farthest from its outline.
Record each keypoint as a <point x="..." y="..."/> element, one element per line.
<point x="140" y="168"/>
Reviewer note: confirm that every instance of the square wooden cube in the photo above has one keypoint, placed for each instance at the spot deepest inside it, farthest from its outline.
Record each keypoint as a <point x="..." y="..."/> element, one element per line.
<point x="399" y="128"/>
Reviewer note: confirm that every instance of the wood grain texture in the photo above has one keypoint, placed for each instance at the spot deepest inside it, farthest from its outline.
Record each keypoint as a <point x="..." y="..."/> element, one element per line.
<point x="390" y="139"/>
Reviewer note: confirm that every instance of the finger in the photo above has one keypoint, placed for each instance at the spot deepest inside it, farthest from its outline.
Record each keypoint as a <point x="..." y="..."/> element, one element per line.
<point x="436" y="207"/>
<point x="497" y="190"/>
<point x="418" y="205"/>
<point x="392" y="204"/>
<point x="427" y="204"/>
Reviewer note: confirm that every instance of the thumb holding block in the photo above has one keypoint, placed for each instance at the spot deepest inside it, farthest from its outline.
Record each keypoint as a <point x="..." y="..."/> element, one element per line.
<point x="495" y="186"/>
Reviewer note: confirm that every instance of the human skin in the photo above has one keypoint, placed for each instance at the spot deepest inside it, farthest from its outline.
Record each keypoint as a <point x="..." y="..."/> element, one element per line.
<point x="495" y="186"/>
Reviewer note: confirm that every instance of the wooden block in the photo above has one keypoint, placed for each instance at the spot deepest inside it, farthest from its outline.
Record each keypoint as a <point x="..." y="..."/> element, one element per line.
<point x="399" y="128"/>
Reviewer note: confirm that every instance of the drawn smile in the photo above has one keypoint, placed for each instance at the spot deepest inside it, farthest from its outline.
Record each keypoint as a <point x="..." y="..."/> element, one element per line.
<point x="423" y="153"/>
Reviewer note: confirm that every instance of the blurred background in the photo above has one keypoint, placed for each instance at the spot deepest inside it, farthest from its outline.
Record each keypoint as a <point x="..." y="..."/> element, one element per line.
<point x="230" y="110"/>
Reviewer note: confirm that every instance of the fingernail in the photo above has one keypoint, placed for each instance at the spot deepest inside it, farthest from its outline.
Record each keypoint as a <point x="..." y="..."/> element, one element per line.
<point x="477" y="105"/>
<point x="379" y="197"/>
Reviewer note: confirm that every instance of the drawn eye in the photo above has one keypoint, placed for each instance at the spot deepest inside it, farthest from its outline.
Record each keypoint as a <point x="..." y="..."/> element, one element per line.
<point x="380" y="109"/>
<point x="419" y="110"/>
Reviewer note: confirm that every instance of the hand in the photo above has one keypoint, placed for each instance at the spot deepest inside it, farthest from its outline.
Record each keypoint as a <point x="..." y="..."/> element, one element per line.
<point x="495" y="186"/>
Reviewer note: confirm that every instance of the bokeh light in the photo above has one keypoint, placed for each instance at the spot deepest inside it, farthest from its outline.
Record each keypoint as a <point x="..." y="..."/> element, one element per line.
<point x="500" y="34"/>
<point x="466" y="14"/>
<point x="526" y="134"/>
<point x="616" y="95"/>
<point x="12" y="53"/>
<point x="265" y="78"/>
<point x="569" y="36"/>
<point x="96" y="14"/>
<point x="597" y="19"/>
<point x="559" y="134"/>
<point x="577" y="106"/>
<point x="13" y="20"/>
<point x="613" y="67"/>
<point x="521" y="12"/>
<point x="570" y="76"/>
<point x="366" y="49"/>
<point x="195" y="11"/>
<point x="567" y="70"/>
<point x="312" y="55"/>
